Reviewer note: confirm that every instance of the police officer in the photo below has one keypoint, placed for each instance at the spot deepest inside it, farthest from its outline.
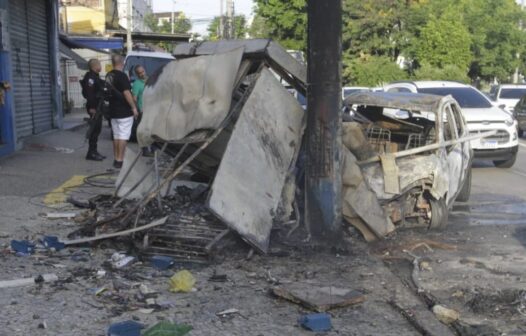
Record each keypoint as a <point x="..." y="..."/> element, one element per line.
<point x="93" y="87"/>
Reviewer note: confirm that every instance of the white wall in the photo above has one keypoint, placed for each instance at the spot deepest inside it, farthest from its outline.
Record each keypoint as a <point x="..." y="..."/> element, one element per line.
<point x="74" y="74"/>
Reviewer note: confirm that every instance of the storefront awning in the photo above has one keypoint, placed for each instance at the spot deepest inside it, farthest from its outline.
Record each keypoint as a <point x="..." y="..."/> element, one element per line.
<point x="70" y="54"/>
<point x="100" y="43"/>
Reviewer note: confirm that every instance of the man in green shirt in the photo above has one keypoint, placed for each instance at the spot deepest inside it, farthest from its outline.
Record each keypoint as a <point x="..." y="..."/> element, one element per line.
<point x="137" y="91"/>
<point x="138" y="86"/>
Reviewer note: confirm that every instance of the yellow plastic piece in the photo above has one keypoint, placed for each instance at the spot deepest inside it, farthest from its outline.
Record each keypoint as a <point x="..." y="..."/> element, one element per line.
<point x="182" y="281"/>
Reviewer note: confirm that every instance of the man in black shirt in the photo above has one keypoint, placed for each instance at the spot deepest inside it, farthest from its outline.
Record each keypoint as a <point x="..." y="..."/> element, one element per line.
<point x="92" y="87"/>
<point x="122" y="108"/>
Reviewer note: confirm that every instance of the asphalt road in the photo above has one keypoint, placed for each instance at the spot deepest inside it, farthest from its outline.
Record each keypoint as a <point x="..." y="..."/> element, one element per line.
<point x="498" y="196"/>
<point x="489" y="179"/>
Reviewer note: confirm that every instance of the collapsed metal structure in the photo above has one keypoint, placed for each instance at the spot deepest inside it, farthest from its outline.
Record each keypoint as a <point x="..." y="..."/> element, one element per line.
<point x="234" y="123"/>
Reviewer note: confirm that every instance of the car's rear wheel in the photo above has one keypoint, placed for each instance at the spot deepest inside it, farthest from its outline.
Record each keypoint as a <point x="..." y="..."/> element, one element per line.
<point x="506" y="163"/>
<point x="465" y="192"/>
<point x="521" y="133"/>
<point x="439" y="214"/>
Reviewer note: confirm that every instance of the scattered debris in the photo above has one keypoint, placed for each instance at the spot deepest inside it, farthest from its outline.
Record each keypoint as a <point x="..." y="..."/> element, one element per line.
<point x="60" y="215"/>
<point x="162" y="262"/>
<point x="228" y="312"/>
<point x="117" y="234"/>
<point x="182" y="281"/>
<point x="126" y="328"/>
<point x="319" y="299"/>
<point x="185" y="237"/>
<point x="419" y="316"/>
<point x="78" y="203"/>
<point x="445" y="315"/>
<point x="316" y="322"/>
<point x="121" y="260"/>
<point x="29" y="281"/>
<point x="23" y="247"/>
<point x="425" y="266"/>
<point x="97" y="291"/>
<point x="52" y="242"/>
<point x="218" y="277"/>
<point x="165" y="328"/>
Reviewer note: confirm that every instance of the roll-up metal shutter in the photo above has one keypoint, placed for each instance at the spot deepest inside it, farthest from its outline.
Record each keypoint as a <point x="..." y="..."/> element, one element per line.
<point x="31" y="66"/>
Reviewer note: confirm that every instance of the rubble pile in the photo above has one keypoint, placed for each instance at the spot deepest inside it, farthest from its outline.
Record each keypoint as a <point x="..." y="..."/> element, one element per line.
<point x="229" y="129"/>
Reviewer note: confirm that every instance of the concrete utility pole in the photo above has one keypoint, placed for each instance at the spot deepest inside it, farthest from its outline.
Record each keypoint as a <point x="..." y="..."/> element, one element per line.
<point x="173" y="16"/>
<point x="230" y="19"/>
<point x="221" y="20"/>
<point x="129" y="28"/>
<point x="323" y="194"/>
<point x="516" y="74"/>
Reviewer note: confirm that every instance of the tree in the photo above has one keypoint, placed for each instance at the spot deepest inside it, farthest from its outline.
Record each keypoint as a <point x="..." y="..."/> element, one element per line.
<point x="448" y="72"/>
<point x="377" y="28"/>
<point x="285" y="21"/>
<point x="182" y="25"/>
<point x="496" y="37"/>
<point x="240" y="27"/>
<point x="258" y="28"/>
<point x="444" y="41"/>
<point x="444" y="36"/>
<point x="371" y="71"/>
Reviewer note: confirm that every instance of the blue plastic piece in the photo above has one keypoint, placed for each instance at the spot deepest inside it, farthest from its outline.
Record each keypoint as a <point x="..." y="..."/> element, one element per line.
<point x="126" y="328"/>
<point x="316" y="322"/>
<point x="162" y="262"/>
<point x="53" y="242"/>
<point x="23" y="247"/>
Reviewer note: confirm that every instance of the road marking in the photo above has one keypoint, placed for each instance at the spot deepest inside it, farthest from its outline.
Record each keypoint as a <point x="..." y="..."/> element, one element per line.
<point x="521" y="144"/>
<point x="59" y="195"/>
<point x="517" y="173"/>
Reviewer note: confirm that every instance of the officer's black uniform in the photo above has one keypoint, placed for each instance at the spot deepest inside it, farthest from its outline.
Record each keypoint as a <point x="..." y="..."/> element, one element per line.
<point x="93" y="88"/>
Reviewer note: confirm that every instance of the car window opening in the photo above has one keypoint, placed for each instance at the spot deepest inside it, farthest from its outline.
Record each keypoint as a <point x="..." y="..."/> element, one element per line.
<point x="390" y="130"/>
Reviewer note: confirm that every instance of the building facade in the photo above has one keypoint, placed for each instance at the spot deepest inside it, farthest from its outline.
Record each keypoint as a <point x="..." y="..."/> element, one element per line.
<point x="29" y="64"/>
<point x="141" y="9"/>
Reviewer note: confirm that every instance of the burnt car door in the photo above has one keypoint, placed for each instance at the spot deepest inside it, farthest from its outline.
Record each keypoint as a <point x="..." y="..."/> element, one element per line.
<point x="462" y="131"/>
<point x="454" y="152"/>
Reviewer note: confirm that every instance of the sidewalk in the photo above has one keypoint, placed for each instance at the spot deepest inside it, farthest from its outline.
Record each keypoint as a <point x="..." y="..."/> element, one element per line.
<point x="45" y="163"/>
<point x="75" y="119"/>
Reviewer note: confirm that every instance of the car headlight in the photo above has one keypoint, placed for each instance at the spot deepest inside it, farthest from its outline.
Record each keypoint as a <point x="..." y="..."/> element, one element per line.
<point x="509" y="122"/>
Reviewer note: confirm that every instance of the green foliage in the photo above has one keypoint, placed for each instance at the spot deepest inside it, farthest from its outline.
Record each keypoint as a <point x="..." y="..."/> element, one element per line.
<point x="285" y="20"/>
<point x="444" y="41"/>
<point x="452" y="38"/>
<point x="182" y="25"/>
<point x="376" y="27"/>
<point x="448" y="72"/>
<point x="258" y="28"/>
<point x="240" y="27"/>
<point x="372" y="71"/>
<point x="497" y="38"/>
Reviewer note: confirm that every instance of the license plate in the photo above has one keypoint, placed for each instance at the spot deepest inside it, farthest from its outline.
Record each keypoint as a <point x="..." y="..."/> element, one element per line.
<point x="490" y="144"/>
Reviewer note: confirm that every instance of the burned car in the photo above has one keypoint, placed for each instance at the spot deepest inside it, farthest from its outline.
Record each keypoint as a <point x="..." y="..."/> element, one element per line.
<point x="414" y="157"/>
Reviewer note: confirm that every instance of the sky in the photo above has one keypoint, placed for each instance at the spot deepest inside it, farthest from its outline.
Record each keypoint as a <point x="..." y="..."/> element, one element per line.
<point x="201" y="9"/>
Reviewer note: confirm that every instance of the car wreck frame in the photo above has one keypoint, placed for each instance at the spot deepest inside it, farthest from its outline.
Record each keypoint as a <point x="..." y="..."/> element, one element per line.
<point x="417" y="185"/>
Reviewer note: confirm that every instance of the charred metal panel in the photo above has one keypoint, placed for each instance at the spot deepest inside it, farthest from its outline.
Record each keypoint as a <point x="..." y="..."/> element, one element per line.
<point x="248" y="185"/>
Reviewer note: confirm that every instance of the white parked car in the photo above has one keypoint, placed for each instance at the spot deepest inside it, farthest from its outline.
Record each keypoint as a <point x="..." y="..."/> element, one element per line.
<point x="348" y="90"/>
<point x="481" y="116"/>
<point x="506" y="96"/>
